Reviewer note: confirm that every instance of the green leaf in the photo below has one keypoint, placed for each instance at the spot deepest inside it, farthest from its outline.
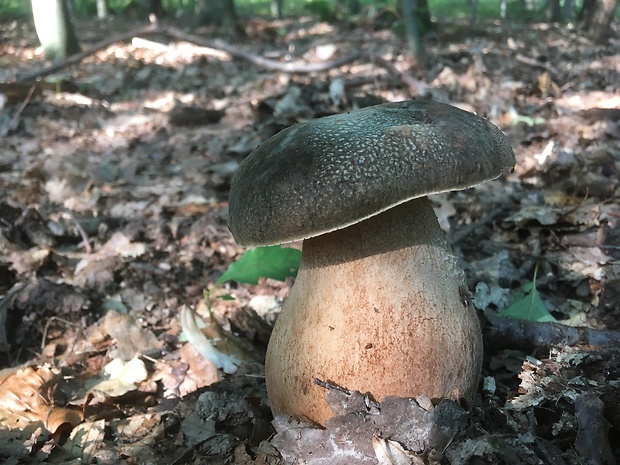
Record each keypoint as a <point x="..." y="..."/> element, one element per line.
<point x="527" y="120"/>
<point x="272" y="262"/>
<point x="528" y="305"/>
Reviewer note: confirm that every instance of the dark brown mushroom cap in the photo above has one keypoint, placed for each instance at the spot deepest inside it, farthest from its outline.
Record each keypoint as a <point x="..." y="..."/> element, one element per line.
<point x="328" y="173"/>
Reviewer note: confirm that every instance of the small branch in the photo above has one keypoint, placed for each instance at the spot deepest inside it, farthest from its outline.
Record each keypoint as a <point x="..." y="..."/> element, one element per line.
<point x="536" y="64"/>
<point x="18" y="112"/>
<point x="266" y="63"/>
<point x="415" y="85"/>
<point x="47" y="328"/>
<point x="466" y="231"/>
<point x="503" y="332"/>
<point x="170" y="48"/>
<point x="80" y="229"/>
<point x="331" y="386"/>
<point x="78" y="57"/>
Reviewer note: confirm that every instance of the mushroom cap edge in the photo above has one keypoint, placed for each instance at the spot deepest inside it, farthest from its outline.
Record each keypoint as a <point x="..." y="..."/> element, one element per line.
<point x="329" y="173"/>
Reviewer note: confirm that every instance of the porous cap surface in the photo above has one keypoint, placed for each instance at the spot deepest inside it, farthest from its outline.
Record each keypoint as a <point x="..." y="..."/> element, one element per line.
<point x="328" y="173"/>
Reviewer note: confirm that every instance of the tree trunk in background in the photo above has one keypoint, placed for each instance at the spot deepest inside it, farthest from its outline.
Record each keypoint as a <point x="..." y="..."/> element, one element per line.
<point x="554" y="11"/>
<point x="568" y="10"/>
<point x="276" y="8"/>
<point x="596" y="16"/>
<point x="156" y="8"/>
<point x="353" y="8"/>
<point x="103" y="10"/>
<point x="347" y="8"/>
<point x="219" y="12"/>
<point x="423" y="14"/>
<point x="473" y="11"/>
<point x="414" y="35"/>
<point x="54" y="29"/>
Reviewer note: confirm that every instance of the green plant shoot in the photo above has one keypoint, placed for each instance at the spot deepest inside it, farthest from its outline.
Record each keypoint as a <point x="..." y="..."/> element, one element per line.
<point x="528" y="305"/>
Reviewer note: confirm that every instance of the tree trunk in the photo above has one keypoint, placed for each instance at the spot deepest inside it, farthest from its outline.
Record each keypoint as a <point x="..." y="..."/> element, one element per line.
<point x="103" y="10"/>
<point x="156" y="8"/>
<point x="412" y="25"/>
<point x="54" y="29"/>
<point x="597" y="16"/>
<point x="423" y="14"/>
<point x="473" y="11"/>
<point x="346" y="9"/>
<point x="554" y="11"/>
<point x="220" y="12"/>
<point x="568" y="10"/>
<point x="276" y="8"/>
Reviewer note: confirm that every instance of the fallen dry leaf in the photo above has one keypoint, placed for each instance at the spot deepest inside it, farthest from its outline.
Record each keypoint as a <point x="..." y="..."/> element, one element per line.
<point x="24" y="400"/>
<point x="129" y="336"/>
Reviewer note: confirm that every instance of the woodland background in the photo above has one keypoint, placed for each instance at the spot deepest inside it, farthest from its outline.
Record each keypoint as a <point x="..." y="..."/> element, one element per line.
<point x="118" y="141"/>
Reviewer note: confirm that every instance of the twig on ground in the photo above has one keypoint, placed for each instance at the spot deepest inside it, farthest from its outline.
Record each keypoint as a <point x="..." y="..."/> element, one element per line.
<point x="167" y="48"/>
<point x="47" y="328"/>
<point x="418" y="87"/>
<point x="80" y="230"/>
<point x="266" y="63"/>
<point x="74" y="59"/>
<point x="487" y="218"/>
<point x="18" y="112"/>
<point x="536" y="64"/>
<point x="415" y="85"/>
<point x="503" y="332"/>
<point x="330" y="386"/>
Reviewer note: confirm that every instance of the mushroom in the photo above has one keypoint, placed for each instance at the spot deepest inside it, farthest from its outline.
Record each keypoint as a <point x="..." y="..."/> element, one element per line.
<point x="379" y="304"/>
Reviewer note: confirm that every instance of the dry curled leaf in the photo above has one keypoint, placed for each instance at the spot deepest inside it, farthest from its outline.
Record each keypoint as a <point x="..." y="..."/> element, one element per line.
<point x="392" y="453"/>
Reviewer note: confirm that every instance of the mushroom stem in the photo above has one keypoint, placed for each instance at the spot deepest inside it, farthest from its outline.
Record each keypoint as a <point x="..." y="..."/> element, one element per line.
<point x="377" y="307"/>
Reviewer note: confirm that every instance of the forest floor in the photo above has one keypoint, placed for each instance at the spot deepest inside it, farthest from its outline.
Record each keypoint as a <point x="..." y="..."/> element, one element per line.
<point x="114" y="176"/>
